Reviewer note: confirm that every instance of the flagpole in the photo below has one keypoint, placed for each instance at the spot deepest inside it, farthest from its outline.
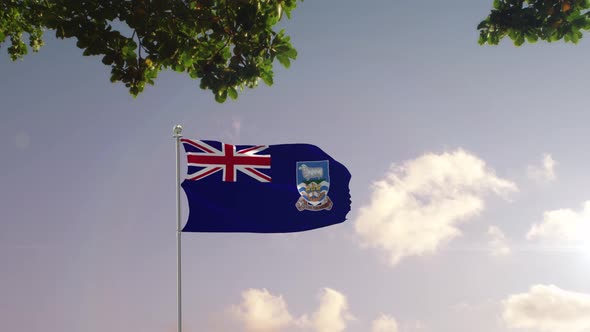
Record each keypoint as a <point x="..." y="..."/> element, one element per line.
<point x="177" y="136"/>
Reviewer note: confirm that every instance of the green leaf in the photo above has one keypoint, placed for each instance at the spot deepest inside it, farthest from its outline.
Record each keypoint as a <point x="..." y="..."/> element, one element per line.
<point x="186" y="60"/>
<point x="233" y="94"/>
<point x="575" y="37"/>
<point x="284" y="60"/>
<point x="481" y="40"/>
<point x="519" y="40"/>
<point x="221" y="96"/>
<point x="178" y="67"/>
<point x="532" y="38"/>
<point x="267" y="78"/>
<point x="107" y="59"/>
<point x="291" y="53"/>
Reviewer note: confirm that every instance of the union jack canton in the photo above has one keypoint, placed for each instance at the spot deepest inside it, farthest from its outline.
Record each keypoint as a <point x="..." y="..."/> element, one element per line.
<point x="206" y="158"/>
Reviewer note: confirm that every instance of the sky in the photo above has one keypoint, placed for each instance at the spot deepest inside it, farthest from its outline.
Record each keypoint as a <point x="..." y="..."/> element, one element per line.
<point x="469" y="185"/>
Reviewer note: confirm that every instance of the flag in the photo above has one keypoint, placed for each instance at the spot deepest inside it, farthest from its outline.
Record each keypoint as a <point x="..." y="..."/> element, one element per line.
<point x="263" y="188"/>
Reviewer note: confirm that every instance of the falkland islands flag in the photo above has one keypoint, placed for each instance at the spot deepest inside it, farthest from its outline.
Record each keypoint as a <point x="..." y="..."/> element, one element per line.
<point x="263" y="188"/>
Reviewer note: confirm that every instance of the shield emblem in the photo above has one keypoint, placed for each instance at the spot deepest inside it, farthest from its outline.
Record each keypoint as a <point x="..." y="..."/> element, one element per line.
<point x="313" y="184"/>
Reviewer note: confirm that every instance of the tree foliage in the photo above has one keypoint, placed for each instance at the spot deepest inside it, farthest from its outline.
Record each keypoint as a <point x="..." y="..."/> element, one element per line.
<point x="226" y="44"/>
<point x="533" y="20"/>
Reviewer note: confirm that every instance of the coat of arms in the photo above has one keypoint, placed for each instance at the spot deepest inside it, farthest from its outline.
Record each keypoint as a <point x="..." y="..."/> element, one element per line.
<point x="313" y="183"/>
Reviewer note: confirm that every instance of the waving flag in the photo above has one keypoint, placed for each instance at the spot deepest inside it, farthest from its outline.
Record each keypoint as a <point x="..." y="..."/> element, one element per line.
<point x="263" y="188"/>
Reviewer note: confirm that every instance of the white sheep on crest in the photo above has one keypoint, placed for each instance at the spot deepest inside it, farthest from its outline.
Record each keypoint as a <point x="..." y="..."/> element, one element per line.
<point x="311" y="172"/>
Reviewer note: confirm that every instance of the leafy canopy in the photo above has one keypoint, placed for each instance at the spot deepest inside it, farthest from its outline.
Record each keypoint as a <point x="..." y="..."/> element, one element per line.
<point x="531" y="20"/>
<point x="227" y="44"/>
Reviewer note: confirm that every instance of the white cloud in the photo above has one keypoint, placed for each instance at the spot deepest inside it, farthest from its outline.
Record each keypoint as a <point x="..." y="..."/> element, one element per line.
<point x="418" y="206"/>
<point x="332" y="314"/>
<point x="545" y="172"/>
<point x="548" y="308"/>
<point x="384" y="323"/>
<point x="563" y="225"/>
<point x="261" y="311"/>
<point x="498" y="244"/>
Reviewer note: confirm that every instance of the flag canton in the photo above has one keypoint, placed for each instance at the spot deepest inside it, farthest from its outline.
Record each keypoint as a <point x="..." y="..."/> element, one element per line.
<point x="226" y="162"/>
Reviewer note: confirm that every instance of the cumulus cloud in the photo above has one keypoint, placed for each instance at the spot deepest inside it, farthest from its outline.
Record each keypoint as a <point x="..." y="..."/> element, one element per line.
<point x="418" y="206"/>
<point x="548" y="308"/>
<point x="384" y="323"/>
<point x="261" y="311"/>
<point x="498" y="244"/>
<point x="332" y="313"/>
<point x="563" y="225"/>
<point x="545" y="172"/>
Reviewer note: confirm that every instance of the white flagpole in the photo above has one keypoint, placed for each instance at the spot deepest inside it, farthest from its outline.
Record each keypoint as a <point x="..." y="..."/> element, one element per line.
<point x="177" y="136"/>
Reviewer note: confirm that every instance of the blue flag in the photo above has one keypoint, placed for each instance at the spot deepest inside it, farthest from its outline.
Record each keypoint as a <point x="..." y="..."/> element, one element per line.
<point x="263" y="188"/>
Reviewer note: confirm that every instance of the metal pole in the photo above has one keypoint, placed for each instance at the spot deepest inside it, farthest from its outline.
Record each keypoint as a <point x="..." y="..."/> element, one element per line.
<point x="177" y="136"/>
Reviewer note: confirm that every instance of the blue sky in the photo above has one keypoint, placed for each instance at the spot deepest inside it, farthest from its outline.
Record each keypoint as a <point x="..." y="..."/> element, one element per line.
<point x="87" y="224"/>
